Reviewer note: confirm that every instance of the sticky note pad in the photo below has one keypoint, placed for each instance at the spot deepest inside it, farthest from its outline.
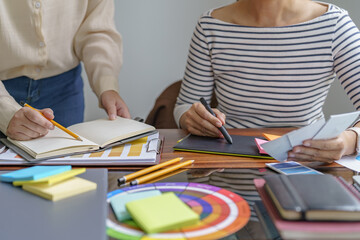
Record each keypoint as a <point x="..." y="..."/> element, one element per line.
<point x="161" y="213"/>
<point x="51" y="180"/>
<point x="33" y="173"/>
<point x="118" y="202"/>
<point x="68" y="188"/>
<point x="270" y="137"/>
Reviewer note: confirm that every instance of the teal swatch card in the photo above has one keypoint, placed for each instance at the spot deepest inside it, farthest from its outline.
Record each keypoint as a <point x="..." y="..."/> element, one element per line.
<point x="118" y="202"/>
<point x="33" y="173"/>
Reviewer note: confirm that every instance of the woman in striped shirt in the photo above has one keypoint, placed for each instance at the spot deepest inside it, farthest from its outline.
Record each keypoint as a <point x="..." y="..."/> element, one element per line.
<point x="271" y="64"/>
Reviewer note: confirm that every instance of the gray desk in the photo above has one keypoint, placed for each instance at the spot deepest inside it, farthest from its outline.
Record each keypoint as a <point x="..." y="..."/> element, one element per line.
<point x="27" y="216"/>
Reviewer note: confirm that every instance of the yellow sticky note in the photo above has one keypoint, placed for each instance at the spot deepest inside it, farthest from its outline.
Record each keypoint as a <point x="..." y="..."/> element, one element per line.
<point x="165" y="212"/>
<point x="68" y="188"/>
<point x="52" y="179"/>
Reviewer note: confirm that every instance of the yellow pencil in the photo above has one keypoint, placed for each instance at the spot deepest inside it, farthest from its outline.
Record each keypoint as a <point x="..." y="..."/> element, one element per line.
<point x="56" y="124"/>
<point x="159" y="173"/>
<point x="131" y="176"/>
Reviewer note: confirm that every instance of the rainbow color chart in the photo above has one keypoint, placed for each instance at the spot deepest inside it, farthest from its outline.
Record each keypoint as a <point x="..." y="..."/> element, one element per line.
<point x="222" y="212"/>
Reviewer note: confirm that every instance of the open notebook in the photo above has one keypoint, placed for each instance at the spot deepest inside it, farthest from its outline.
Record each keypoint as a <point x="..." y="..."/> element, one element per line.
<point x="96" y="135"/>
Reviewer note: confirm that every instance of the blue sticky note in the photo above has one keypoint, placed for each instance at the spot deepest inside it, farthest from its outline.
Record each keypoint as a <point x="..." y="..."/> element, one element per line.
<point x="33" y="173"/>
<point x="118" y="202"/>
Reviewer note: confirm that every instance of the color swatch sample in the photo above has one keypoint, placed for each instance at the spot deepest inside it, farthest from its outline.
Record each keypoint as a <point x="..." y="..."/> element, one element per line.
<point x="165" y="212"/>
<point x="291" y="168"/>
<point x="221" y="212"/>
<point x="118" y="202"/>
<point x="33" y="173"/>
<point x="61" y="190"/>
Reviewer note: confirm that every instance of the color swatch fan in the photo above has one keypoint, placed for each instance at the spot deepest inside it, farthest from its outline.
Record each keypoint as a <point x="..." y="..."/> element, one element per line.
<point x="221" y="212"/>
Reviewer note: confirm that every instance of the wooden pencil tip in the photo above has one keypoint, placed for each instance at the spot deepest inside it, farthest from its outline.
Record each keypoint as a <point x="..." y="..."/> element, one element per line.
<point x="78" y="138"/>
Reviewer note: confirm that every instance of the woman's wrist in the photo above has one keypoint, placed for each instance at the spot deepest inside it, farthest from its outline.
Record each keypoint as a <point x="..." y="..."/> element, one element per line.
<point x="352" y="140"/>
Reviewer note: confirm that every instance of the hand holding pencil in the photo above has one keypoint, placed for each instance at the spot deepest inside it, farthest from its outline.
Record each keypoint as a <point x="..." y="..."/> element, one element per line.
<point x="56" y="124"/>
<point x="27" y="123"/>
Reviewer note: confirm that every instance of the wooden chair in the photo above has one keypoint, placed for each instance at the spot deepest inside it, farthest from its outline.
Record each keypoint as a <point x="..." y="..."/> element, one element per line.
<point x="161" y="116"/>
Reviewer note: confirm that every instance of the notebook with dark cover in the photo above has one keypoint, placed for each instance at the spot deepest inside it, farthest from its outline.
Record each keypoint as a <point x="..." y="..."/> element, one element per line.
<point x="313" y="197"/>
<point x="244" y="146"/>
<point x="302" y="229"/>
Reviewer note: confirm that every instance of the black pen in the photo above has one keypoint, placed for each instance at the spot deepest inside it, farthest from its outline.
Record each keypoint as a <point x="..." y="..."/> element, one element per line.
<point x="222" y="128"/>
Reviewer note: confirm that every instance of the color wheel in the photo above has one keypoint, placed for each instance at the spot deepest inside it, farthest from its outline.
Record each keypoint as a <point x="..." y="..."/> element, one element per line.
<point x="222" y="212"/>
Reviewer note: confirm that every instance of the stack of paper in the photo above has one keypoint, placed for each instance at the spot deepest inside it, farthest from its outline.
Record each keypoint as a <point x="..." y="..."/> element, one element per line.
<point x="50" y="182"/>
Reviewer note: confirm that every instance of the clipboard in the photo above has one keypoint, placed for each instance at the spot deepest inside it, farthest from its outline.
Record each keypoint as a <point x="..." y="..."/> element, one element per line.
<point x="153" y="146"/>
<point x="243" y="146"/>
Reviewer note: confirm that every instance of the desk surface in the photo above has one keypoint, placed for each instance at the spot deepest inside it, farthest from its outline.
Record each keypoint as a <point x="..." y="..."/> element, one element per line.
<point x="229" y="172"/>
<point x="26" y="216"/>
<point x="210" y="161"/>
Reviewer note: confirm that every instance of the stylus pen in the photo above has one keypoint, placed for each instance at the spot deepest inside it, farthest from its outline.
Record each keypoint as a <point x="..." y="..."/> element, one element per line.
<point x="144" y="171"/>
<point x="159" y="173"/>
<point x="222" y="128"/>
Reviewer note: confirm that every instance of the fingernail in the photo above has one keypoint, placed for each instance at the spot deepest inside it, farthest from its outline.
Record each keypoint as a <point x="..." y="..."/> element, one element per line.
<point x="297" y="150"/>
<point x="112" y="116"/>
<point x="218" y="124"/>
<point x="306" y="144"/>
<point x="291" y="155"/>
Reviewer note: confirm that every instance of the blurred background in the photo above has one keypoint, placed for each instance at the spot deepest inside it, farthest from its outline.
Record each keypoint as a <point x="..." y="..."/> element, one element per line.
<point x="156" y="37"/>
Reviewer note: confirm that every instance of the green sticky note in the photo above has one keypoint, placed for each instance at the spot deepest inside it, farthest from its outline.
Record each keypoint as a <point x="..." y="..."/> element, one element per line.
<point x="118" y="202"/>
<point x="161" y="213"/>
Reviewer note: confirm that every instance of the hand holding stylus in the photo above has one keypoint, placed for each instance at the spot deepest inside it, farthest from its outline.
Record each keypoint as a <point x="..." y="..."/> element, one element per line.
<point x="199" y="121"/>
<point x="222" y="128"/>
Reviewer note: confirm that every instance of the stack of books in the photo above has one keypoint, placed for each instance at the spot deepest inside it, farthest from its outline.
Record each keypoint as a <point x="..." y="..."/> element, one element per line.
<point x="310" y="206"/>
<point x="50" y="182"/>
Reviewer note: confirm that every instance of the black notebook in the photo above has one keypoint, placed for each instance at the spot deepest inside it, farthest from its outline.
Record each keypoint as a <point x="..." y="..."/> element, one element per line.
<point x="244" y="146"/>
<point x="313" y="197"/>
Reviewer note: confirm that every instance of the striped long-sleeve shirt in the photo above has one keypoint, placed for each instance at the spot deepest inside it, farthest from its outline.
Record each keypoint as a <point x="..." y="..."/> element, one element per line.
<point x="271" y="76"/>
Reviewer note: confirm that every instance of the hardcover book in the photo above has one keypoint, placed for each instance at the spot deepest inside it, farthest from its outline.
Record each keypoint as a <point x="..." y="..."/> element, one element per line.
<point x="312" y="197"/>
<point x="302" y="229"/>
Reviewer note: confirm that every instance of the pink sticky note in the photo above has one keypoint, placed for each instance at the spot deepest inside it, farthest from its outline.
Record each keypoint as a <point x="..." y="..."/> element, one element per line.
<point x="258" y="142"/>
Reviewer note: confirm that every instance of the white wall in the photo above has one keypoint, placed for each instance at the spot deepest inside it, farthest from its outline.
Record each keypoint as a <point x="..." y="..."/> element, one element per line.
<point x="156" y="35"/>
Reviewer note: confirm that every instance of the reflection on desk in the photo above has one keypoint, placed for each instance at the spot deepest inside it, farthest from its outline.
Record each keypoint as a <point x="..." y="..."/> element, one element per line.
<point x="237" y="180"/>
